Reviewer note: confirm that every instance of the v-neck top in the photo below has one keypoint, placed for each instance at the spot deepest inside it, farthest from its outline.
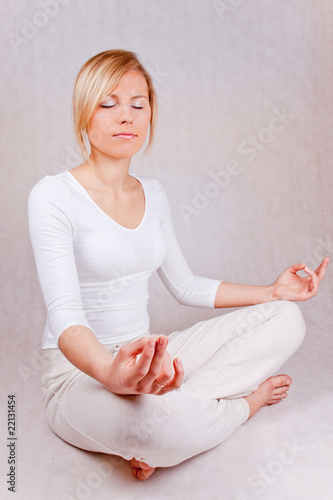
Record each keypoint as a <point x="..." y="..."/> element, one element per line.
<point x="99" y="208"/>
<point x="94" y="272"/>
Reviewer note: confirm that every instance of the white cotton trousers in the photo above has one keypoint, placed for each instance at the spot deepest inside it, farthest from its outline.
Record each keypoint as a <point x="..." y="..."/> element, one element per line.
<point x="224" y="358"/>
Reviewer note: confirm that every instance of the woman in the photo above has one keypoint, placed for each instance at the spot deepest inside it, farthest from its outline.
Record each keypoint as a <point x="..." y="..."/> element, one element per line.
<point x="98" y="232"/>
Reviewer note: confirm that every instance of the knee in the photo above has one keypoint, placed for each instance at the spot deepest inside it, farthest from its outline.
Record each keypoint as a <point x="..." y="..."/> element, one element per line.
<point x="291" y="311"/>
<point x="292" y="316"/>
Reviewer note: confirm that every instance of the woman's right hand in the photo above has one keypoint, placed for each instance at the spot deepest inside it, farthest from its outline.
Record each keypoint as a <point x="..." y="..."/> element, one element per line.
<point x="144" y="367"/>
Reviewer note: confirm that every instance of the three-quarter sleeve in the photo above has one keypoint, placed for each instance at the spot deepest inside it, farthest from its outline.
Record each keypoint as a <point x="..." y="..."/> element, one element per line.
<point x="175" y="273"/>
<point x="51" y="231"/>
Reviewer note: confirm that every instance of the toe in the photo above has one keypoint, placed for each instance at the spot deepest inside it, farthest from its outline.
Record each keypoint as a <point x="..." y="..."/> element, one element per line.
<point x="278" y="397"/>
<point x="281" y="390"/>
<point x="281" y="381"/>
<point x="272" y="402"/>
<point x="141" y="470"/>
<point x="135" y="471"/>
<point x="145" y="474"/>
<point x="287" y="380"/>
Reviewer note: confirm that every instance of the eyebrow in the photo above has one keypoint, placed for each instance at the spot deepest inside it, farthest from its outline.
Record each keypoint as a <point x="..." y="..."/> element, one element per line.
<point x="134" y="97"/>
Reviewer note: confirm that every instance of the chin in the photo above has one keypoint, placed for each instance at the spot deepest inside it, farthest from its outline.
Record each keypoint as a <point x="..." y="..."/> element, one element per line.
<point x="125" y="151"/>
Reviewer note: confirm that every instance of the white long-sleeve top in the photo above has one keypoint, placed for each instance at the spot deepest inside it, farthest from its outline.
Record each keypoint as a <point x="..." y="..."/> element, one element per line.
<point x="94" y="272"/>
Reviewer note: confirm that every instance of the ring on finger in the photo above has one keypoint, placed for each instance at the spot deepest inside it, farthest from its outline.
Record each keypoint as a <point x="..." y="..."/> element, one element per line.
<point x="159" y="385"/>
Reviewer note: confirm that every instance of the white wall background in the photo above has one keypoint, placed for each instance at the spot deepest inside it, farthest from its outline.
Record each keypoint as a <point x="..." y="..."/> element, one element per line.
<point x="223" y="70"/>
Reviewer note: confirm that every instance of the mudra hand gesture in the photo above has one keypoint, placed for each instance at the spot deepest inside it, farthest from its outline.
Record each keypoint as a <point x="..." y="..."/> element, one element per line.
<point x="145" y="367"/>
<point x="290" y="286"/>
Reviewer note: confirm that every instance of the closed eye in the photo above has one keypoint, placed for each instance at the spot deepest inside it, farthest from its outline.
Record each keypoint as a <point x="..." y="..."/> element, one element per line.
<point x="113" y="105"/>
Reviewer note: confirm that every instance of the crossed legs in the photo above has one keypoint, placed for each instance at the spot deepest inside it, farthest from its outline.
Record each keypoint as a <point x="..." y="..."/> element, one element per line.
<point x="230" y="363"/>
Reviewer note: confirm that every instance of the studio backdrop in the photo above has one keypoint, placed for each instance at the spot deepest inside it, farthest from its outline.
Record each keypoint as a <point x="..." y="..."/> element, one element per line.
<point x="243" y="142"/>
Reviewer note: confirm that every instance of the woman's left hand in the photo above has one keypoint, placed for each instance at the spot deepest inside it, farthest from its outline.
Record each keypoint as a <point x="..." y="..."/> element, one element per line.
<point x="290" y="286"/>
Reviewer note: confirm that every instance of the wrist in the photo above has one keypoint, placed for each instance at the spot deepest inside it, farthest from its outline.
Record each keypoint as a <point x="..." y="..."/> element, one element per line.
<point x="103" y="372"/>
<point x="273" y="293"/>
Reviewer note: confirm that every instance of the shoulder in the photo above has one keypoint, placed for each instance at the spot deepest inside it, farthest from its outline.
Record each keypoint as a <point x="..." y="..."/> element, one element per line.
<point x="50" y="188"/>
<point x="150" y="184"/>
<point x="153" y="189"/>
<point x="156" y="197"/>
<point x="49" y="204"/>
<point x="50" y="199"/>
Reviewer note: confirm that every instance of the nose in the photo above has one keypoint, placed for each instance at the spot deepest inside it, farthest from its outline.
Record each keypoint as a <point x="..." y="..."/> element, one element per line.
<point x="125" y="114"/>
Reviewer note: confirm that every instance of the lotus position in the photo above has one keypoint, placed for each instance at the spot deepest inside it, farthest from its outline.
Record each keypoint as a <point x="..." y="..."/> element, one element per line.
<point x="98" y="232"/>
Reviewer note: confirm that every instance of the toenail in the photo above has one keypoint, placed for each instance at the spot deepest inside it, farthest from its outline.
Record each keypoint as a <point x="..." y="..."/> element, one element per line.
<point x="288" y="382"/>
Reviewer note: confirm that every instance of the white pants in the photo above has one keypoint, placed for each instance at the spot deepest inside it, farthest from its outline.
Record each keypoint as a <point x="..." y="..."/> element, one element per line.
<point x="224" y="358"/>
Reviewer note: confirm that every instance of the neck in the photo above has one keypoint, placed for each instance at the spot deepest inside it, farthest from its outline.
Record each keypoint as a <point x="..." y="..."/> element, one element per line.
<point x="106" y="172"/>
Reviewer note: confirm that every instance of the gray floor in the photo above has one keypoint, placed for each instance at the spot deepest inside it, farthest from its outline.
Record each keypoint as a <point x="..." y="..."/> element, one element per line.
<point x="283" y="452"/>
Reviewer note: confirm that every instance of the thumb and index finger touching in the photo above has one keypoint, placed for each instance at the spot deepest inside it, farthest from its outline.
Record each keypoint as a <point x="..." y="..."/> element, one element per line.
<point x="320" y="271"/>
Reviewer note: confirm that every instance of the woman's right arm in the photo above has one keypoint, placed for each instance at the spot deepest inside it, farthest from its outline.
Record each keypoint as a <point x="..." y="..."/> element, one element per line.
<point x="52" y="226"/>
<point x="125" y="374"/>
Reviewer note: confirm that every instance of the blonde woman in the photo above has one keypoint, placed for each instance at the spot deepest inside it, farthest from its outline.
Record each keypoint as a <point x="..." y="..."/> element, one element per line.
<point x="98" y="233"/>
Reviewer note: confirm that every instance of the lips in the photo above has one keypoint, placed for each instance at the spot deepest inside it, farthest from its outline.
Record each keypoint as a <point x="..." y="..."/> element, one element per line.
<point x="125" y="135"/>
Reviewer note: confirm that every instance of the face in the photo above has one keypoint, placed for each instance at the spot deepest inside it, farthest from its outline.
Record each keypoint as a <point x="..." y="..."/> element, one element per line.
<point x="119" y="124"/>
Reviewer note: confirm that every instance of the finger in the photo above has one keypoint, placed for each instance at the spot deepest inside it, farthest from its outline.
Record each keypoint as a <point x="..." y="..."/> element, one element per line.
<point x="166" y="371"/>
<point x="140" y="370"/>
<point x="314" y="280"/>
<point x="177" y="379"/>
<point x="296" y="267"/>
<point x="156" y="362"/>
<point x="312" y="274"/>
<point x="127" y="351"/>
<point x="321" y="270"/>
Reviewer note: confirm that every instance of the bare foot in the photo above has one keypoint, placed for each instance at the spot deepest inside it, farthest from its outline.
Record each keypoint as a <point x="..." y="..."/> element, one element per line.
<point x="141" y="470"/>
<point x="270" y="392"/>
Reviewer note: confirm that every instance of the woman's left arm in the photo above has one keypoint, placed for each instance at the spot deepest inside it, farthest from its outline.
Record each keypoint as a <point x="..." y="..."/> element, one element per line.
<point x="288" y="286"/>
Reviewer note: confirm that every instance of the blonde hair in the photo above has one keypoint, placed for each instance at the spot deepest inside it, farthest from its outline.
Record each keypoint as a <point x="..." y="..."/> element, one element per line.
<point x="96" y="79"/>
